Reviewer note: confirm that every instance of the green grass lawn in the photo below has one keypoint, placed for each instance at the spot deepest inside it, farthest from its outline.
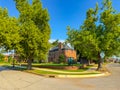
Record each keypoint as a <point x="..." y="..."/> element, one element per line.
<point x="25" y="68"/>
<point x="43" y="72"/>
<point x="4" y="63"/>
<point x="58" y="65"/>
<point x="79" y="70"/>
<point x="47" y="64"/>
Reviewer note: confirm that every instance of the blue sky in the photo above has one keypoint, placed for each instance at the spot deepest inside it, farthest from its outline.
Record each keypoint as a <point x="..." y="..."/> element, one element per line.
<point x="62" y="13"/>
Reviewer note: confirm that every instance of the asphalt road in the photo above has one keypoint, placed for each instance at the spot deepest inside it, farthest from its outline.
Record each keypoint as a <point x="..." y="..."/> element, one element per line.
<point x="16" y="80"/>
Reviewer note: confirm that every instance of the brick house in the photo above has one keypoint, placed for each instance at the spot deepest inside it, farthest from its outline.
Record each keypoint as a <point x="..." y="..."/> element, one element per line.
<point x="7" y="56"/>
<point x="55" y="52"/>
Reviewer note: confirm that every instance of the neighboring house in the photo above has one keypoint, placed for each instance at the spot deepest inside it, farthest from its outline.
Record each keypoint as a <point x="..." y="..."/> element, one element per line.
<point x="55" y="52"/>
<point x="7" y="56"/>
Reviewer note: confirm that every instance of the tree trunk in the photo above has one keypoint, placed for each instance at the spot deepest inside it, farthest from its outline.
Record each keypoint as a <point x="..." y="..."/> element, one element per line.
<point x="13" y="63"/>
<point x="88" y="62"/>
<point x="99" y="65"/>
<point x="99" y="62"/>
<point x="29" y="66"/>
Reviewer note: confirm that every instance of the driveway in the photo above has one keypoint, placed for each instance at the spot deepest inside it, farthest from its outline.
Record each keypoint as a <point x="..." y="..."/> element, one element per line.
<point x="16" y="80"/>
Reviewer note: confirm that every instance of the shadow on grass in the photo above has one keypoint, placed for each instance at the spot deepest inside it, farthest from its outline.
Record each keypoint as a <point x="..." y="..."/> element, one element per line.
<point x="14" y="68"/>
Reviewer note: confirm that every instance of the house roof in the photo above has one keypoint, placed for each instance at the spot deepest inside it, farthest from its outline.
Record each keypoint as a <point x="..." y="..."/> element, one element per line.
<point x="54" y="49"/>
<point x="65" y="47"/>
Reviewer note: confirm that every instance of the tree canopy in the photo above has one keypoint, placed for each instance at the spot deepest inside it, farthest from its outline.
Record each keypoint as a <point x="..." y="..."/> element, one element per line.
<point x="9" y="31"/>
<point x="29" y="34"/>
<point x="100" y="32"/>
<point x="34" y="29"/>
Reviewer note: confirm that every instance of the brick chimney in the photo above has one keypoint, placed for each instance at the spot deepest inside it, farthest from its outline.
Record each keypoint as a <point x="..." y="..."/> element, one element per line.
<point x="60" y="45"/>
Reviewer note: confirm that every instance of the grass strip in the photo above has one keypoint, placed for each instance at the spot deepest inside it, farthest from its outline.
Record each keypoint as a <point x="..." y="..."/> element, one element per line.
<point x="56" y="73"/>
<point x="41" y="72"/>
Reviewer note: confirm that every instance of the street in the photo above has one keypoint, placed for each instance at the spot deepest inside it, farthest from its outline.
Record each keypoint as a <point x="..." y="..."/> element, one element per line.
<point x="16" y="80"/>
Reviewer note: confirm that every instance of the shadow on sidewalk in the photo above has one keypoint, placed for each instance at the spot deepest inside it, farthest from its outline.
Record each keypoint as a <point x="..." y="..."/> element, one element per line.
<point x="3" y="68"/>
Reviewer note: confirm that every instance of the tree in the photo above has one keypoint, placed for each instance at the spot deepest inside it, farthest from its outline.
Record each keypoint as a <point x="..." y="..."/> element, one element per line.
<point x="55" y="43"/>
<point x="2" y="57"/>
<point x="108" y="30"/>
<point x="9" y="31"/>
<point x="92" y="38"/>
<point x="34" y="30"/>
<point x="84" y="40"/>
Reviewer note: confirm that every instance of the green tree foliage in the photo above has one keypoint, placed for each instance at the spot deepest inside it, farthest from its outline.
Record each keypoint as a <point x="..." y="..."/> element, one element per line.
<point x="55" y="43"/>
<point x="34" y="30"/>
<point x="110" y="29"/>
<point x="84" y="40"/>
<point x="99" y="32"/>
<point x="2" y="57"/>
<point x="9" y="31"/>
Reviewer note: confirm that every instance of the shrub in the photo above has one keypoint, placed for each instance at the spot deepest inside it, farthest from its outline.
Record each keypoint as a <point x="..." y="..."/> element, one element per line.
<point x="2" y="58"/>
<point x="61" y="58"/>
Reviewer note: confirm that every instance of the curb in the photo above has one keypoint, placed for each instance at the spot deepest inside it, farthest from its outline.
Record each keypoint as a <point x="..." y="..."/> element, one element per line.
<point x="78" y="76"/>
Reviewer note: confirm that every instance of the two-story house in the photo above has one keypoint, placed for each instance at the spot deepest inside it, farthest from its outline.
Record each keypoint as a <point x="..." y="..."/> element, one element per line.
<point x="61" y="48"/>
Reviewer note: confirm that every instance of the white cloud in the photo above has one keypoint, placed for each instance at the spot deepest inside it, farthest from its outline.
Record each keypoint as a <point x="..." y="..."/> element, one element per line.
<point x="52" y="40"/>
